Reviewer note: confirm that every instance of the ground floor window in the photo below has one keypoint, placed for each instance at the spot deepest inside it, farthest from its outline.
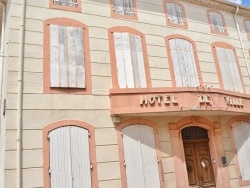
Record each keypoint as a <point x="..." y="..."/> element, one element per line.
<point x="241" y="133"/>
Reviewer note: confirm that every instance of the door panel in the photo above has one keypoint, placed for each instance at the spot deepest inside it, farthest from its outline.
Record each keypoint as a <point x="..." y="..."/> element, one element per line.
<point x="198" y="162"/>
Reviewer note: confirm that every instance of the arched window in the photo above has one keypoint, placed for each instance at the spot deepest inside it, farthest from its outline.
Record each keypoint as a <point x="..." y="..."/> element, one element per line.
<point x="140" y="160"/>
<point x="175" y="13"/>
<point x="184" y="62"/>
<point x="127" y="48"/>
<point x="69" y="156"/>
<point x="217" y="22"/>
<point x="227" y="67"/>
<point x="66" y="56"/>
<point x="241" y="134"/>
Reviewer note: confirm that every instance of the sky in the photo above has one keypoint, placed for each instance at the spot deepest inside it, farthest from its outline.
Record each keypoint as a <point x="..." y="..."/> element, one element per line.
<point x="241" y="2"/>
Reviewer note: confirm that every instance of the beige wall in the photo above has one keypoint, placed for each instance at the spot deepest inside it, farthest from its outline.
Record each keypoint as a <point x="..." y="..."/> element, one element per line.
<point x="41" y="109"/>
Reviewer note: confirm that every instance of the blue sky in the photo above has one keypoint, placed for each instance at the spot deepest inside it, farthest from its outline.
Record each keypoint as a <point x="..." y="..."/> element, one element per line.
<point x="241" y="2"/>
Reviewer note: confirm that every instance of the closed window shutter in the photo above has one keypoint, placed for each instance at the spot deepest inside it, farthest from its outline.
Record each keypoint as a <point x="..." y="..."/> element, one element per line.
<point x="120" y="60"/>
<point x="175" y="14"/>
<point x="60" y="158"/>
<point x="129" y="61"/>
<point x="69" y="158"/>
<point x="248" y="26"/>
<point x="118" y="7"/>
<point x="70" y="3"/>
<point x="66" y="57"/>
<point x="81" y="171"/>
<point x="128" y="7"/>
<point x="123" y="7"/>
<point x="229" y="70"/>
<point x="140" y="157"/>
<point x="241" y="132"/>
<point x="217" y="22"/>
<point x="185" y="70"/>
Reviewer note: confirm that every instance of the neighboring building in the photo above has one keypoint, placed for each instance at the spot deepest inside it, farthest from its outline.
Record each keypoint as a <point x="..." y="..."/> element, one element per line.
<point x="124" y="94"/>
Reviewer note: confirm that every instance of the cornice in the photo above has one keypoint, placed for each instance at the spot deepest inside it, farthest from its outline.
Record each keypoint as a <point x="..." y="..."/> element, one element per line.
<point x="222" y="5"/>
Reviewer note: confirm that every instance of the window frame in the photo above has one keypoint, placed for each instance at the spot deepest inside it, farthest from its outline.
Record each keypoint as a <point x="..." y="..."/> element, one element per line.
<point x="245" y="26"/>
<point x="114" y="73"/>
<point x="135" y="17"/>
<point x="185" y="26"/>
<point x="61" y="7"/>
<point x="218" y="70"/>
<point x="121" y="147"/>
<point x="210" y="23"/>
<point x="230" y="128"/>
<point x="46" y="148"/>
<point x="170" y="62"/>
<point x="46" y="57"/>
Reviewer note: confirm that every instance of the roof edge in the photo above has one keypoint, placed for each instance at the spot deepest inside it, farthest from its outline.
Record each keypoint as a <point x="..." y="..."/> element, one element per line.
<point x="223" y="5"/>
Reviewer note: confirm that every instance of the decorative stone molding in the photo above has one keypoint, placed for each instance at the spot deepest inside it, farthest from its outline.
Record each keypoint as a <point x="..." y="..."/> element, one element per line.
<point x="221" y="5"/>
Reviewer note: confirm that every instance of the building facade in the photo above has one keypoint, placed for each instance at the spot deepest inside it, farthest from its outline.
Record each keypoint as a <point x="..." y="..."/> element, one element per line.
<point x="124" y="94"/>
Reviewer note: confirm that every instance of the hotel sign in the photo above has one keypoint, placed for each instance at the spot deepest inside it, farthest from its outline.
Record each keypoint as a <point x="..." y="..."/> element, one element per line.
<point x="169" y="99"/>
<point x="162" y="101"/>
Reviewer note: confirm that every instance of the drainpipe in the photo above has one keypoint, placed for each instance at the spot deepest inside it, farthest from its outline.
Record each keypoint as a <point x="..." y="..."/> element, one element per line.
<point x="2" y="124"/>
<point x="2" y="49"/>
<point x="20" y="97"/>
<point x="241" y="42"/>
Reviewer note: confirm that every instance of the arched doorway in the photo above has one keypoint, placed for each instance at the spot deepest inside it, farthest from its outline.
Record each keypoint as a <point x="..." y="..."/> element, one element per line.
<point x="216" y="150"/>
<point x="197" y="156"/>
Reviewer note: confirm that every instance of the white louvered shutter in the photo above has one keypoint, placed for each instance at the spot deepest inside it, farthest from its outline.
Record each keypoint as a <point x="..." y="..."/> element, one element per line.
<point x="66" y="57"/>
<point x="185" y="70"/>
<point x="123" y="7"/>
<point x="229" y="70"/>
<point x="216" y="21"/>
<point x="248" y="26"/>
<point x="129" y="61"/>
<point x="60" y="158"/>
<point x="69" y="158"/>
<point x="241" y="132"/>
<point x="175" y="14"/>
<point x="140" y="157"/>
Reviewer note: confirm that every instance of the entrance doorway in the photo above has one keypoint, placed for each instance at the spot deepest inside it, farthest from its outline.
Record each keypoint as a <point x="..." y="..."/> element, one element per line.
<point x="197" y="157"/>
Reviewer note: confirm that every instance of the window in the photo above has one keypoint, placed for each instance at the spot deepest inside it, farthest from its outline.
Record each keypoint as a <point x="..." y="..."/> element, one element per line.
<point x="175" y="14"/>
<point x="247" y="27"/>
<point x="227" y="68"/>
<point x="140" y="161"/>
<point x="217" y="22"/>
<point x="123" y="8"/>
<point x="131" y="66"/>
<point x="69" y="155"/>
<point x="183" y="61"/>
<point x="66" y="56"/>
<point x="71" y="5"/>
<point x="241" y="134"/>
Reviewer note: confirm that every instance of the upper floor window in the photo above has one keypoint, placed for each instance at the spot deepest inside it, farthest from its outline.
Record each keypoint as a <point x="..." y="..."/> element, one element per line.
<point x="241" y="134"/>
<point x="71" y="5"/>
<point x="227" y="67"/>
<point x="217" y="22"/>
<point x="175" y="13"/>
<point x="69" y="155"/>
<point x="123" y="8"/>
<point x="66" y="55"/>
<point x="247" y="27"/>
<point x="183" y="61"/>
<point x="129" y="53"/>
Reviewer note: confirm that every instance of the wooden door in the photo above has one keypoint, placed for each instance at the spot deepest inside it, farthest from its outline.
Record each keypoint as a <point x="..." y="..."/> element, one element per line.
<point x="198" y="162"/>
